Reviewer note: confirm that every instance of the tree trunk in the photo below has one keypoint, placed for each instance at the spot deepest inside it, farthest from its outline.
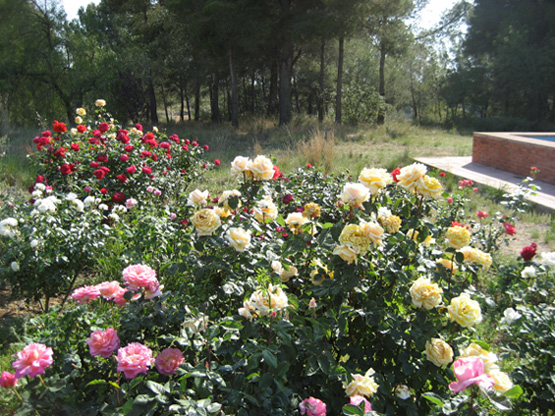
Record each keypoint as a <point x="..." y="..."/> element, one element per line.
<point x="273" y="94"/>
<point x="197" y="102"/>
<point x="188" y="105"/>
<point x="215" y="117"/>
<point x="181" y="103"/>
<point x="152" y="107"/>
<point x="286" y="68"/>
<point x="322" y="81"/>
<point x="381" y="90"/>
<point x="339" y="90"/>
<point x="234" y="93"/>
<point x="165" y="101"/>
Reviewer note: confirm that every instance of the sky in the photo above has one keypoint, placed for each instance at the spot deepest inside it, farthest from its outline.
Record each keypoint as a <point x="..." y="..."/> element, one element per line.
<point x="430" y="15"/>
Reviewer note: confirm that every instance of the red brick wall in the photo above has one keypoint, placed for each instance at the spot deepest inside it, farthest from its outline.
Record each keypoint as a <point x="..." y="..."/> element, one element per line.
<point x="515" y="156"/>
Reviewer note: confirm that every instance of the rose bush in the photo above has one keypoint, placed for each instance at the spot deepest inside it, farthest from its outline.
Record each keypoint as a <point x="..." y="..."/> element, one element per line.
<point x="304" y="293"/>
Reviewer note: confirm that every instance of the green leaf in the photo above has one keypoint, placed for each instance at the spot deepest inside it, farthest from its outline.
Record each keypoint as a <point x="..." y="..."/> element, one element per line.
<point x="157" y="388"/>
<point x="270" y="358"/>
<point x="352" y="410"/>
<point x="95" y="382"/>
<point x="434" y="398"/>
<point x="515" y="392"/>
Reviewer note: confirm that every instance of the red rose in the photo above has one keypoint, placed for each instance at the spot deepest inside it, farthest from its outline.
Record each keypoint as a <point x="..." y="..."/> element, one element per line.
<point x="81" y="128"/>
<point x="148" y="137"/>
<point x="99" y="173"/>
<point x="75" y="147"/>
<point x="287" y="198"/>
<point x="185" y="147"/>
<point x="217" y="162"/>
<point x="93" y="140"/>
<point x="103" y="191"/>
<point x="103" y="127"/>
<point x="482" y="214"/>
<point x="394" y="173"/>
<point x="65" y="169"/>
<point x="59" y="127"/>
<point x="94" y="164"/>
<point x="187" y="141"/>
<point x="195" y="144"/>
<point x="145" y="153"/>
<point x="165" y="145"/>
<point x="131" y="169"/>
<point x="155" y="157"/>
<point x="308" y="165"/>
<point x="118" y="197"/>
<point x="277" y="173"/>
<point x="39" y="178"/>
<point x="147" y="170"/>
<point x="97" y="133"/>
<point x="139" y="127"/>
<point x="509" y="228"/>
<point x="61" y="152"/>
<point x="122" y="178"/>
<point x="124" y="158"/>
<point x="529" y="252"/>
<point x="206" y="147"/>
<point x="102" y="158"/>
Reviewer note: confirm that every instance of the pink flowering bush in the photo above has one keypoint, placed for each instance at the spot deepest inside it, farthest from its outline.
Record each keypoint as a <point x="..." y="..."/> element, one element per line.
<point x="168" y="360"/>
<point x="470" y="370"/>
<point x="313" y="407"/>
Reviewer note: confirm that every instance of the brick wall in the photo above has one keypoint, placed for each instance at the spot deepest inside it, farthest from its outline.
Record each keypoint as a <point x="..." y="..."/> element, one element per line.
<point x="514" y="155"/>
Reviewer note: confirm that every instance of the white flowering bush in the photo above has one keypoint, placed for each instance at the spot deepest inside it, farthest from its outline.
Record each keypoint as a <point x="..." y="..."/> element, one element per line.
<point x="299" y="294"/>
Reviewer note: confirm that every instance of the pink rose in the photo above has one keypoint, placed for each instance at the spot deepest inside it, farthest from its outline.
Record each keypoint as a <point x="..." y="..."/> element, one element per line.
<point x="313" y="407"/>
<point x="168" y="361"/>
<point x="103" y="342"/>
<point x="138" y="275"/>
<point x="108" y="289"/>
<point x="357" y="400"/>
<point x="130" y="203"/>
<point x="85" y="294"/>
<point x="32" y="360"/>
<point x="470" y="370"/>
<point x="153" y="290"/>
<point x="134" y="359"/>
<point x="8" y="380"/>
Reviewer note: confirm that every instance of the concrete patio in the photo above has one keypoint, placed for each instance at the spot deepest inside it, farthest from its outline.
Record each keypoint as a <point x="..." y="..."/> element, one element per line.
<point x="495" y="178"/>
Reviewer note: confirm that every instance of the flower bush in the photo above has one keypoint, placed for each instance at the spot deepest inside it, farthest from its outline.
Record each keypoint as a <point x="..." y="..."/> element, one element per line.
<point x="299" y="294"/>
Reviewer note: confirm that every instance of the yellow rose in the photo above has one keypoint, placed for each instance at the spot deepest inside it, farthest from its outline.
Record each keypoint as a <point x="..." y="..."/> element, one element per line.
<point x="198" y="198"/>
<point x="457" y="237"/>
<point x="311" y="210"/>
<point x="347" y="252"/>
<point x="262" y="168"/>
<point x="429" y="187"/>
<point x="287" y="274"/>
<point x="222" y="212"/>
<point x="362" y="385"/>
<point x="465" y="311"/>
<point x="262" y="302"/>
<point x="448" y="264"/>
<point x="240" y="164"/>
<point x="224" y="199"/>
<point x="265" y="210"/>
<point x="375" y="179"/>
<point x="476" y="256"/>
<point x="355" y="236"/>
<point x="100" y="103"/>
<point x="318" y="275"/>
<point x="73" y="131"/>
<point x="410" y="175"/>
<point x="355" y="194"/>
<point x="238" y="238"/>
<point x="391" y="223"/>
<point x="413" y="234"/>
<point x="501" y="381"/>
<point x="78" y="120"/>
<point x="438" y="352"/>
<point x="295" y="221"/>
<point x="373" y="231"/>
<point x="425" y="294"/>
<point x="206" y="221"/>
<point x="81" y="112"/>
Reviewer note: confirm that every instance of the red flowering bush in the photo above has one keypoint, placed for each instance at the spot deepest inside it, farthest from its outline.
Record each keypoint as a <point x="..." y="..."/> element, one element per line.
<point x="99" y="157"/>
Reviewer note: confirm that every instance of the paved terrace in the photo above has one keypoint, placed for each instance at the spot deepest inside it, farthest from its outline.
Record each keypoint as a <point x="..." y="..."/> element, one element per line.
<point x="495" y="178"/>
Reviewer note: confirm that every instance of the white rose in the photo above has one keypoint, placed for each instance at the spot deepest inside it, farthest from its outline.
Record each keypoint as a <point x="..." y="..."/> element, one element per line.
<point x="240" y="164"/>
<point x="528" y="272"/>
<point x="197" y="198"/>
<point x="355" y="194"/>
<point x="238" y="238"/>
<point x="375" y="179"/>
<point x="510" y="316"/>
<point x="347" y="252"/>
<point x="262" y="168"/>
<point x="15" y="266"/>
<point x="410" y="175"/>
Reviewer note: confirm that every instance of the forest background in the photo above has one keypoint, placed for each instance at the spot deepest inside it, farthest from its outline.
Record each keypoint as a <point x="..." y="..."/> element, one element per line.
<point x="487" y="65"/>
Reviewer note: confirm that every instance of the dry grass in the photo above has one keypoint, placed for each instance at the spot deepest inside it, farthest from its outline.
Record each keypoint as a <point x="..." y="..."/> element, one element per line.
<point x="320" y="149"/>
